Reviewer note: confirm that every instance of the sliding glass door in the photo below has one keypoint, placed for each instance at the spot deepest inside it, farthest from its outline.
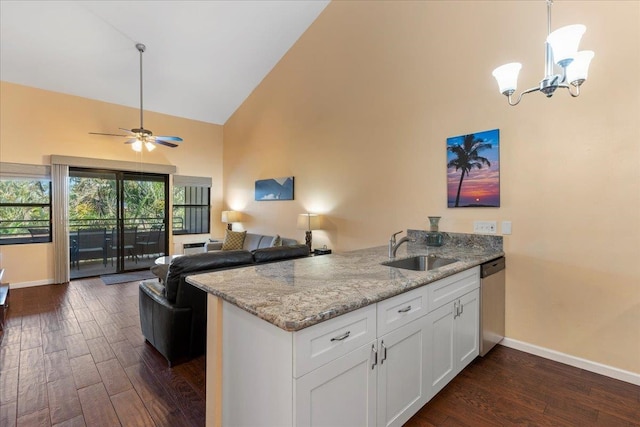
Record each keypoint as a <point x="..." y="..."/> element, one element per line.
<point x="145" y="211"/>
<point x="117" y="221"/>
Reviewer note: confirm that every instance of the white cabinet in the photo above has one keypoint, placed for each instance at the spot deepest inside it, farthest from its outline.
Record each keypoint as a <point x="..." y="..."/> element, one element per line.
<point x="382" y="383"/>
<point x="375" y="366"/>
<point x="341" y="393"/>
<point x="467" y="345"/>
<point x="403" y="377"/>
<point x="335" y="371"/>
<point x="453" y="338"/>
<point x="441" y="343"/>
<point x="321" y="343"/>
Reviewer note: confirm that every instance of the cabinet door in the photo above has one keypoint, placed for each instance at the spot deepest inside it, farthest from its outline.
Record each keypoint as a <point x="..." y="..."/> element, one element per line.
<point x="441" y="326"/>
<point x="467" y="330"/>
<point x="403" y="378"/>
<point x="340" y="393"/>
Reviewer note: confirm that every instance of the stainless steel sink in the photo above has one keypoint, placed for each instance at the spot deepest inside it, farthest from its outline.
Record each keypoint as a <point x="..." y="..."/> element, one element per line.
<point x="420" y="263"/>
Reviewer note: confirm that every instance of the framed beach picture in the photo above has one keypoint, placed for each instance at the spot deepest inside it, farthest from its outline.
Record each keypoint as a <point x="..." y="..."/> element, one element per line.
<point x="473" y="170"/>
<point x="274" y="189"/>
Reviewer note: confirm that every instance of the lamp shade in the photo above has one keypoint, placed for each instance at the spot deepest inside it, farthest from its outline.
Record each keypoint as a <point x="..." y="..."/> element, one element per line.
<point x="507" y="77"/>
<point x="564" y="43"/>
<point x="137" y="145"/>
<point x="578" y="70"/>
<point x="309" y="222"/>
<point x="230" y="216"/>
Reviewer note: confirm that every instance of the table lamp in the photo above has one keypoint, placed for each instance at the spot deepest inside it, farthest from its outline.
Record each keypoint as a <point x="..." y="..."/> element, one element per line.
<point x="309" y="222"/>
<point x="230" y="217"/>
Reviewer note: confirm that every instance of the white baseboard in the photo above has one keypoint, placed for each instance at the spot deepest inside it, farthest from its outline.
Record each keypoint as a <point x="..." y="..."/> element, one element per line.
<point x="577" y="362"/>
<point x="31" y="284"/>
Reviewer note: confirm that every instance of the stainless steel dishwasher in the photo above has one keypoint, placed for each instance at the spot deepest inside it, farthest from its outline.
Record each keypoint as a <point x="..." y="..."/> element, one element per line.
<point x="491" y="304"/>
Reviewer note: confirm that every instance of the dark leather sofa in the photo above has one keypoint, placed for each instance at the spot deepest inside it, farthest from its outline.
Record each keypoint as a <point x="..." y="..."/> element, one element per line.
<point x="173" y="313"/>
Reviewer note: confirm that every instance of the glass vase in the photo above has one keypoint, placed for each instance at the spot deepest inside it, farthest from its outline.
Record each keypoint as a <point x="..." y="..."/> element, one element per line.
<point x="434" y="237"/>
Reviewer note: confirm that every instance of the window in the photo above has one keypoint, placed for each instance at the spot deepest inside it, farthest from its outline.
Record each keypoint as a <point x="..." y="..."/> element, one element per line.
<point x="25" y="204"/>
<point x="191" y="205"/>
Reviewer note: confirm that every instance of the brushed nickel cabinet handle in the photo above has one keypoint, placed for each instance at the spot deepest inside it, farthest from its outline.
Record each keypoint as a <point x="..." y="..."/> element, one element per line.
<point x="375" y="356"/>
<point x="341" y="337"/>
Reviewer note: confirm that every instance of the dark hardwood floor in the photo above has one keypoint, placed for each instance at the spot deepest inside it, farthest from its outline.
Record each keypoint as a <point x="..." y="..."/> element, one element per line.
<point x="512" y="388"/>
<point x="73" y="355"/>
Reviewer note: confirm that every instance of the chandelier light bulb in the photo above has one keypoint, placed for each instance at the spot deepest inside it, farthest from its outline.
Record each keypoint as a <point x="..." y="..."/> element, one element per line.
<point x="564" y="43"/>
<point x="507" y="77"/>
<point x="578" y="70"/>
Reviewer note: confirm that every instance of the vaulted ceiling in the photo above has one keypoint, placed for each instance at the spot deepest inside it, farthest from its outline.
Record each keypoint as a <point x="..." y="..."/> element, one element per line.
<point x="203" y="58"/>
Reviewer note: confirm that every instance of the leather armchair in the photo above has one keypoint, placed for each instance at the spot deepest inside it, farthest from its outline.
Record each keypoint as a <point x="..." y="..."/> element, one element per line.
<point x="163" y="324"/>
<point x="173" y="314"/>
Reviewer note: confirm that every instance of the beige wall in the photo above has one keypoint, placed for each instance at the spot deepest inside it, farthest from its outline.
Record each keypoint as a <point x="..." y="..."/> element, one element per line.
<point x="35" y="124"/>
<point x="359" y="111"/>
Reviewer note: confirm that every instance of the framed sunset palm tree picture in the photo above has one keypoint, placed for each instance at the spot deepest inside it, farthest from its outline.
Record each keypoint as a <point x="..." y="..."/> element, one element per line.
<point x="473" y="170"/>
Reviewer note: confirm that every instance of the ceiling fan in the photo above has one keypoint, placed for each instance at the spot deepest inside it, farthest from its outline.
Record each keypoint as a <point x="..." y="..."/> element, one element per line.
<point x="141" y="136"/>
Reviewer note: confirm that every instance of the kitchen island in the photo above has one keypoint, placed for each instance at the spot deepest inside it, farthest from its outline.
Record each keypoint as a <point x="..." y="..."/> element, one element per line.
<point x="309" y="341"/>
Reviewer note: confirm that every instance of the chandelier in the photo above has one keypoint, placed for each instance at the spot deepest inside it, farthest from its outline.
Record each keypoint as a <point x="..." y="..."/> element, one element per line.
<point x="561" y="49"/>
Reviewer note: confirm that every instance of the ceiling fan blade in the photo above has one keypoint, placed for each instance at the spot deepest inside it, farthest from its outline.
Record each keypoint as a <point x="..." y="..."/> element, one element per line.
<point x="169" y="138"/>
<point x="130" y="141"/>
<point x="168" y="144"/>
<point x="106" y="134"/>
<point x="127" y="130"/>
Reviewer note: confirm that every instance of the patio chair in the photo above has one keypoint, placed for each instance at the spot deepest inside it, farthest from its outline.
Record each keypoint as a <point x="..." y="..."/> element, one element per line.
<point x="73" y="249"/>
<point x="39" y="233"/>
<point x="130" y="236"/>
<point x="150" y="242"/>
<point x="92" y="244"/>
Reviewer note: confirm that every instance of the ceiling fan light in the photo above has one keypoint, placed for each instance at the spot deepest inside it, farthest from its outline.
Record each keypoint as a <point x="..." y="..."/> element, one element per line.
<point x="137" y="146"/>
<point x="564" y="43"/>
<point x="150" y="146"/>
<point x="507" y="77"/>
<point x="578" y="70"/>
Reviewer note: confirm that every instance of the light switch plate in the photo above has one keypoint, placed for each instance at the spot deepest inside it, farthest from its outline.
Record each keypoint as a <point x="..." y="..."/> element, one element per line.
<point x="485" y="227"/>
<point x="506" y="227"/>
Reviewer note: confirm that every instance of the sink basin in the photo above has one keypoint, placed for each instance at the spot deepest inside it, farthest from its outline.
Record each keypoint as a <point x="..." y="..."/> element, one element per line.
<point x="420" y="263"/>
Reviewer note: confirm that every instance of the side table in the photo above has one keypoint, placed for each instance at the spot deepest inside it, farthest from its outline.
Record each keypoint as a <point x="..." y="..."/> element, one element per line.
<point x="161" y="267"/>
<point x="166" y="260"/>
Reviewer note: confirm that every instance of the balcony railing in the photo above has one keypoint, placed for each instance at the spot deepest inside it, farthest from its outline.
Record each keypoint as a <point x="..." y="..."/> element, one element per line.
<point x="38" y="231"/>
<point x="98" y="240"/>
<point x="31" y="231"/>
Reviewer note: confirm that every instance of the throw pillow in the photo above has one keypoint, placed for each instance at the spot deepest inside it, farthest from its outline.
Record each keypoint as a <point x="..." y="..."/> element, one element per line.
<point x="233" y="240"/>
<point x="277" y="241"/>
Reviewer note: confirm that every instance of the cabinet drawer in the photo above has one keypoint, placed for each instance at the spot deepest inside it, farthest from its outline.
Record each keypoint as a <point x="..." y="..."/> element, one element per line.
<point x="448" y="289"/>
<point x="326" y="341"/>
<point x="401" y="309"/>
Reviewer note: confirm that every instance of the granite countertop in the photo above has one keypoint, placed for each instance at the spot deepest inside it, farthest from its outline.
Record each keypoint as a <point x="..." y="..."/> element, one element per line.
<point x="299" y="293"/>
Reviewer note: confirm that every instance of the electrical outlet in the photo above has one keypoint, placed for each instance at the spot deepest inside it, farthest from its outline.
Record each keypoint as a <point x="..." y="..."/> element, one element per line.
<point x="485" y="227"/>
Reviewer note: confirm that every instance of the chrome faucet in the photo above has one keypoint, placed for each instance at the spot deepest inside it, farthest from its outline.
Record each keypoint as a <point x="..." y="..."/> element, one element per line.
<point x="393" y="246"/>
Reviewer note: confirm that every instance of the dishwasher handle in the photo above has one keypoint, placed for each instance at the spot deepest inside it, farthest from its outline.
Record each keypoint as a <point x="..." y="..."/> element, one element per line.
<point x="492" y="267"/>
